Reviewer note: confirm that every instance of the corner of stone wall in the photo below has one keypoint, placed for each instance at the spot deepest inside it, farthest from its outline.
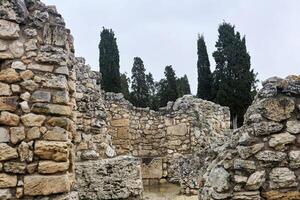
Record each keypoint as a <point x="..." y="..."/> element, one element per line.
<point x="37" y="100"/>
<point x="262" y="159"/>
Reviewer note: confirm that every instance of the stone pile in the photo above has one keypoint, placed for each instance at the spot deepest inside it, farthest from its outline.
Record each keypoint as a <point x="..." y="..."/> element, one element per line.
<point x="37" y="88"/>
<point x="262" y="161"/>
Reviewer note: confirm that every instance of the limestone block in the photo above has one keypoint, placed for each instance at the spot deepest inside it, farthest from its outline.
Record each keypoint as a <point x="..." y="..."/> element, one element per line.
<point x="271" y="156"/>
<point x="9" y="30"/>
<point x="247" y="151"/>
<point x="35" y="185"/>
<point x="253" y="195"/>
<point x="52" y="150"/>
<point x="282" y="177"/>
<point x="178" y="130"/>
<point x="4" y="135"/>
<point x="18" y="65"/>
<point x="41" y="67"/>
<point x="56" y="134"/>
<point x="33" y="133"/>
<point x="277" y="195"/>
<point x="7" y="152"/>
<point x="120" y="122"/>
<point x="51" y="167"/>
<point x="5" y="194"/>
<point x="31" y="120"/>
<point x="51" y="109"/>
<point x="294" y="157"/>
<point x="9" y="75"/>
<point x="293" y="126"/>
<point x="26" y="75"/>
<point x="15" y="167"/>
<point x="256" y="180"/>
<point x="61" y="97"/>
<point x="277" y="109"/>
<point x="17" y="49"/>
<point x="266" y="128"/>
<point x="240" y="164"/>
<point x="279" y="141"/>
<point x="17" y="134"/>
<point x="219" y="178"/>
<point x="7" y="181"/>
<point x="8" y="103"/>
<point x="29" y="85"/>
<point x="5" y="89"/>
<point x="25" y="152"/>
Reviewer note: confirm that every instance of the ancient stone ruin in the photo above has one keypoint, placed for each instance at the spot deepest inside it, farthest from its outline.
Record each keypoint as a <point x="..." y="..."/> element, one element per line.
<point x="63" y="138"/>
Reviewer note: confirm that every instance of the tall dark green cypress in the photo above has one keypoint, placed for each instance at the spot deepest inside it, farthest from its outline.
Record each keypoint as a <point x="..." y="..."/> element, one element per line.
<point x="162" y="92"/>
<point x="183" y="86"/>
<point x="204" y="90"/>
<point x="140" y="90"/>
<point x="125" y="85"/>
<point x="171" y="90"/>
<point x="153" y="102"/>
<point x="233" y="78"/>
<point x="109" y="61"/>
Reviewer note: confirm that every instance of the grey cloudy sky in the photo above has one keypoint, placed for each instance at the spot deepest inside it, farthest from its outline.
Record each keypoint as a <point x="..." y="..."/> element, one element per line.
<point x="164" y="32"/>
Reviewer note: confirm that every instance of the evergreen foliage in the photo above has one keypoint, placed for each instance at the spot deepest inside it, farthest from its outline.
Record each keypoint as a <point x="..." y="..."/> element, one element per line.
<point x="153" y="102"/>
<point x="171" y="89"/>
<point x="140" y="90"/>
<point x="204" y="90"/>
<point x="125" y="85"/>
<point x="183" y="86"/>
<point x="109" y="61"/>
<point x="233" y="78"/>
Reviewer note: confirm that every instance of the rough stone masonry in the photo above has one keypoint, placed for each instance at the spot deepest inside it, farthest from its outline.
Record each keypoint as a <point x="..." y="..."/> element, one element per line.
<point x="62" y="138"/>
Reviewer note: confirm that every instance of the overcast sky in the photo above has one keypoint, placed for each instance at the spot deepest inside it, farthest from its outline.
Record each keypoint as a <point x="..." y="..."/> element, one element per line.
<point x="164" y="32"/>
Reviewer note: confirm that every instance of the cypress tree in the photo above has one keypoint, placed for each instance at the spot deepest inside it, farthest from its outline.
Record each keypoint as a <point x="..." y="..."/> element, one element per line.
<point x="125" y="85"/>
<point x="162" y="92"/>
<point x="183" y="86"/>
<point x="233" y="78"/>
<point x="204" y="73"/>
<point x="153" y="102"/>
<point x="171" y="90"/>
<point x="109" y="61"/>
<point x="140" y="90"/>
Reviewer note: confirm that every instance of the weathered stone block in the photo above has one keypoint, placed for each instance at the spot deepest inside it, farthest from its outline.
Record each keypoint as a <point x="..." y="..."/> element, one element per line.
<point x="8" y="103"/>
<point x="9" y="75"/>
<point x="4" y="135"/>
<point x="271" y="156"/>
<point x="25" y="152"/>
<point x="294" y="157"/>
<point x="31" y="120"/>
<point x="5" y="89"/>
<point x="7" y="152"/>
<point x="282" y="177"/>
<point x="18" y="65"/>
<point x="9" y="30"/>
<point x="14" y="167"/>
<point x="293" y="126"/>
<point x="240" y="164"/>
<point x="17" y="134"/>
<point x="256" y="180"/>
<point x="33" y="133"/>
<point x="51" y="167"/>
<point x="247" y="151"/>
<point x="279" y="141"/>
<point x="35" y="185"/>
<point x="51" y="109"/>
<point x="56" y="134"/>
<point x="50" y="150"/>
<point x="120" y="122"/>
<point x="7" y="181"/>
<point x="5" y="194"/>
<point x="178" y="130"/>
<point x="41" y="67"/>
<point x="152" y="168"/>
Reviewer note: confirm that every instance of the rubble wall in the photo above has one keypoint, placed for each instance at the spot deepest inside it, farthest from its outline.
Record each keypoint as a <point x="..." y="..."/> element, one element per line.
<point x="163" y="138"/>
<point x="262" y="160"/>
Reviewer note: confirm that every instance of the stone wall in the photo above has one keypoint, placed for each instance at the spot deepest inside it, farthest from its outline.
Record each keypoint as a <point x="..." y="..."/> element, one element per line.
<point x="37" y="89"/>
<point x="262" y="160"/>
<point x="163" y="138"/>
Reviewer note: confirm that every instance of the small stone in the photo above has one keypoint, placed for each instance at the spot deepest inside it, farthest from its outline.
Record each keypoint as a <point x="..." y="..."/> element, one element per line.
<point x="89" y="155"/>
<point x="14" y="167"/>
<point x="33" y="133"/>
<point x="219" y="178"/>
<point x="56" y="134"/>
<point x="240" y="164"/>
<point x="51" y="109"/>
<point x="57" y="82"/>
<point x="293" y="126"/>
<point x="282" y="177"/>
<point x="31" y="119"/>
<point x="294" y="157"/>
<point x="17" y="134"/>
<point x="17" y="49"/>
<point x="40" y="67"/>
<point x="252" y="195"/>
<point x="7" y="181"/>
<point x="240" y="179"/>
<point x="51" y="167"/>
<point x="9" y="103"/>
<point x="7" y="152"/>
<point x="25" y="107"/>
<point x="15" y="88"/>
<point x="19" y="192"/>
<point x="52" y="150"/>
<point x="9" y="119"/>
<point x="278" y="141"/>
<point x="271" y="156"/>
<point x="29" y="85"/>
<point x="32" y="167"/>
<point x="25" y="153"/>
<point x="62" y="122"/>
<point x="30" y="32"/>
<point x="26" y="75"/>
<point x="256" y="180"/>
<point x="18" y="65"/>
<point x="5" y="90"/>
<point x="9" y="30"/>
<point x="266" y="128"/>
<point x="36" y="185"/>
<point x="247" y="151"/>
<point x="4" y="135"/>
<point x="110" y="152"/>
<point x="31" y="45"/>
<point x="41" y="96"/>
<point x="9" y="75"/>
<point x="25" y="96"/>
<point x="3" y="45"/>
